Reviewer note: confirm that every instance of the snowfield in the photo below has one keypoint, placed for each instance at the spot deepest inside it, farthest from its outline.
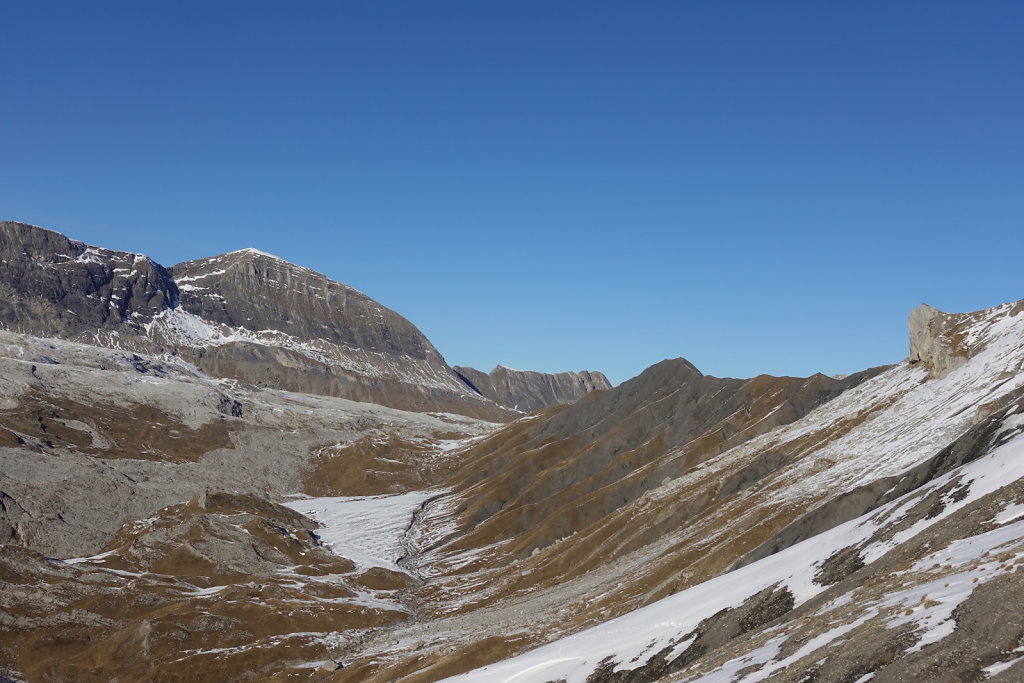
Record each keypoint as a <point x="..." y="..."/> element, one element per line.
<point x="368" y="530"/>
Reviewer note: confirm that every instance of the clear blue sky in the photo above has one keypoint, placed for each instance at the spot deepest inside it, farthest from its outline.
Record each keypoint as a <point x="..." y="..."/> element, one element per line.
<point x="552" y="185"/>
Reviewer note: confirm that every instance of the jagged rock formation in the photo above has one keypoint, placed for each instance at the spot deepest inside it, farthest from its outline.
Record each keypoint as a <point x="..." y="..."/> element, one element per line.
<point x="244" y="315"/>
<point x="931" y="342"/>
<point x="528" y="391"/>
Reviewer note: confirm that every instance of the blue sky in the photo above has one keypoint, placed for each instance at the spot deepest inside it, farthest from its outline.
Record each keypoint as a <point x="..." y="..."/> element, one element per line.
<point x="755" y="186"/>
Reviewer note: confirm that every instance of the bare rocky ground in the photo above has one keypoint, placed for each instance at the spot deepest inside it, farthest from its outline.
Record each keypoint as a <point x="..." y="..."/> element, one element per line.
<point x="115" y="436"/>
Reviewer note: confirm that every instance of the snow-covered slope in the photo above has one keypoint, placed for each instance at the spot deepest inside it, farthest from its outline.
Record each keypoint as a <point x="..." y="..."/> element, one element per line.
<point x="892" y="446"/>
<point x="930" y="589"/>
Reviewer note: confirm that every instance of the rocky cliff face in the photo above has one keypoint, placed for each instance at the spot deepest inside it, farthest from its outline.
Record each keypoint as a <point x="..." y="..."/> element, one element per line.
<point x="244" y="315"/>
<point x="932" y="341"/>
<point x="255" y="291"/>
<point x="54" y="286"/>
<point x="528" y="391"/>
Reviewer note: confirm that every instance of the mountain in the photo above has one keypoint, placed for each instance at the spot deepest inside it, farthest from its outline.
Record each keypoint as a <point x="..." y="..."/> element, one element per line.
<point x="529" y="391"/>
<point x="251" y="316"/>
<point x="188" y="491"/>
<point x="244" y="315"/>
<point x="574" y="468"/>
<point x="265" y="321"/>
<point x="877" y="536"/>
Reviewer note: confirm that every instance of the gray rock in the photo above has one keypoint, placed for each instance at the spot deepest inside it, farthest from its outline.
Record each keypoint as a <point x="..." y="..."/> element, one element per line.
<point x="103" y="444"/>
<point x="932" y="341"/>
<point x="259" y="292"/>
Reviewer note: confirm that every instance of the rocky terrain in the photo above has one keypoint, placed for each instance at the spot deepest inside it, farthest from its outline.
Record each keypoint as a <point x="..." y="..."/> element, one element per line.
<point x="238" y="469"/>
<point x="140" y="508"/>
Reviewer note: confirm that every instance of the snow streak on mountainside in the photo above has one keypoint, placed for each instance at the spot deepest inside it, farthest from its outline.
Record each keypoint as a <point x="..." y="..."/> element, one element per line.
<point x="368" y="530"/>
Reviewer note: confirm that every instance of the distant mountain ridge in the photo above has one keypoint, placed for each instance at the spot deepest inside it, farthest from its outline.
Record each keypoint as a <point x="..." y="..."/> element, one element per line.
<point x="528" y="391"/>
<point x="244" y="315"/>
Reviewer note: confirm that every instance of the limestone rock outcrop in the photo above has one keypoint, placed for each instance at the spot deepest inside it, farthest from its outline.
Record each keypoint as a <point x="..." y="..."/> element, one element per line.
<point x="933" y="340"/>
<point x="943" y="342"/>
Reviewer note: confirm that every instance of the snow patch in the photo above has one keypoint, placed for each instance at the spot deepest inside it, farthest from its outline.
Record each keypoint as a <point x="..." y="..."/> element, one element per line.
<point x="368" y="530"/>
<point x="257" y="252"/>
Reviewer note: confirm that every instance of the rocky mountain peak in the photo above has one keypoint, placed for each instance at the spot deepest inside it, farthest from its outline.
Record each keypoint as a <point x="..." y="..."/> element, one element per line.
<point x="253" y="252"/>
<point x="256" y="291"/>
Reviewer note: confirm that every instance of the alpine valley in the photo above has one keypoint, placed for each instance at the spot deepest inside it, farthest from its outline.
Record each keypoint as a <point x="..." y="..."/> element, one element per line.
<point x="235" y="468"/>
